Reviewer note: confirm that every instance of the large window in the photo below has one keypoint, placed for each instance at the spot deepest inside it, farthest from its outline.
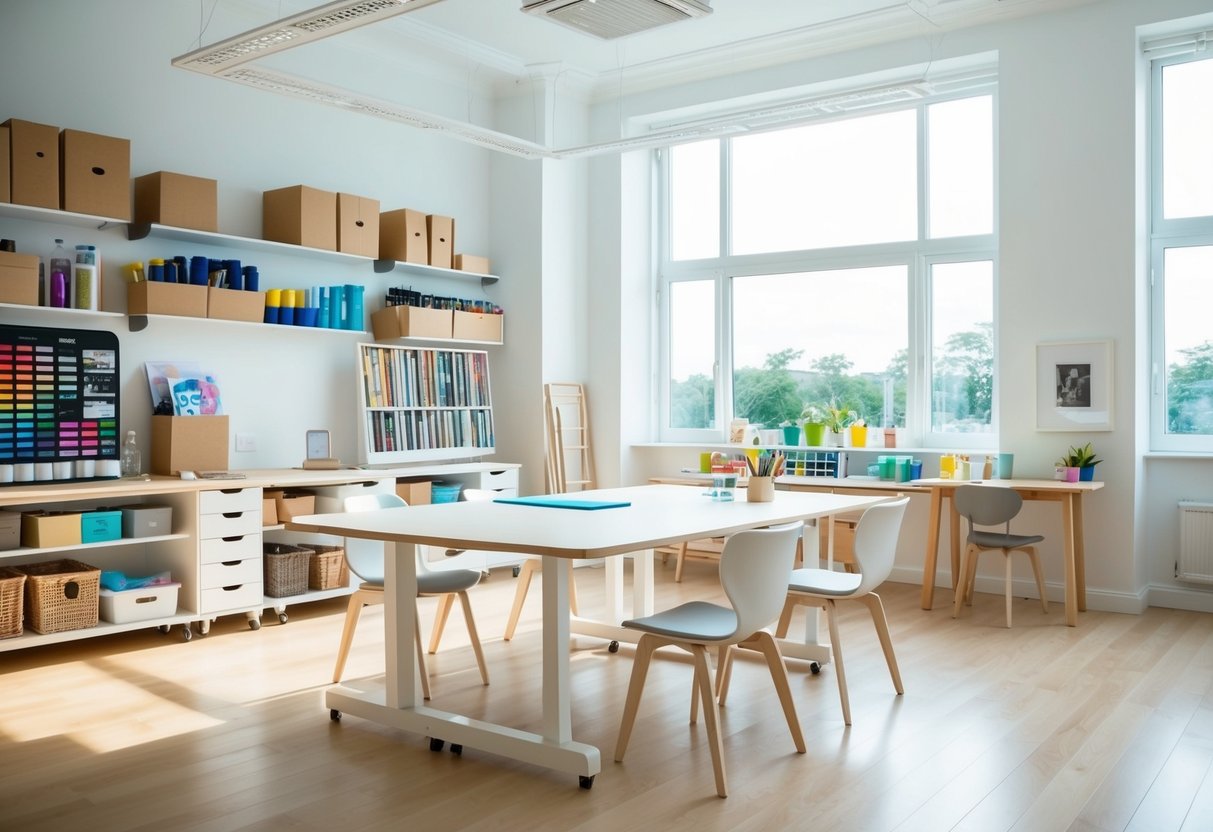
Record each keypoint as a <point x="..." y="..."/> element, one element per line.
<point x="847" y="263"/>
<point x="1182" y="252"/>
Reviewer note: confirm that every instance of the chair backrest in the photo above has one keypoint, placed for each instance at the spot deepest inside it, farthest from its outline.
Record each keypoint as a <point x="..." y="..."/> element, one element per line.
<point x="987" y="505"/>
<point x="479" y="495"/>
<point x="755" y="567"/>
<point x="876" y="542"/>
<point x="365" y="557"/>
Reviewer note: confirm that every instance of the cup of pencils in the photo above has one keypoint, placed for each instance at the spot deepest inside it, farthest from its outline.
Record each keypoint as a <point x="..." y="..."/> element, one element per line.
<point x="763" y="471"/>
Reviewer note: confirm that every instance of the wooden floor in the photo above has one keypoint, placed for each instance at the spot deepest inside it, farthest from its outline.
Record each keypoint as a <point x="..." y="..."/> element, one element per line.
<point x="1108" y="726"/>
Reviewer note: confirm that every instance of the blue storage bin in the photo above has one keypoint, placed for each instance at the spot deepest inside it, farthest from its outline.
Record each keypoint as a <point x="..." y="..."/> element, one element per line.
<point x="444" y="492"/>
<point x="100" y="526"/>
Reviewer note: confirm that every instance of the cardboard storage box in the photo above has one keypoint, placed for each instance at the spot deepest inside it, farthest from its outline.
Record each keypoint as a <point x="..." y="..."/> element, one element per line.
<point x="269" y="508"/>
<point x="403" y="236"/>
<point x="235" y="305"/>
<point x="177" y="200"/>
<point x="4" y="155"/>
<point x="189" y="443"/>
<point x="476" y="326"/>
<point x="441" y="233"/>
<point x="472" y="263"/>
<point x="10" y="529"/>
<point x="156" y="298"/>
<point x="19" y="278"/>
<point x="41" y="529"/>
<point x="415" y="492"/>
<point x="358" y="225"/>
<point x="33" y="163"/>
<point x="100" y="526"/>
<point x="300" y="215"/>
<point x="291" y="504"/>
<point x="95" y="174"/>
<point x="411" y="322"/>
<point x="146" y="521"/>
<point x="140" y="604"/>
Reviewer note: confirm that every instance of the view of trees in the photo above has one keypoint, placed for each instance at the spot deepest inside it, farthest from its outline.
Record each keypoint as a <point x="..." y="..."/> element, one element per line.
<point x="1190" y="391"/>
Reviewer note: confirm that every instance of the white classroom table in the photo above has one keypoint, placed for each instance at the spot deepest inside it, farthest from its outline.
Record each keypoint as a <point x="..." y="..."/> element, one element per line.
<point x="658" y="515"/>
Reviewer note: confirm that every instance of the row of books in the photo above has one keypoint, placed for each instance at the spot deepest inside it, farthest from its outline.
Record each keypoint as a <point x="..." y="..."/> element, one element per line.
<point x="396" y="377"/>
<point x="425" y="429"/>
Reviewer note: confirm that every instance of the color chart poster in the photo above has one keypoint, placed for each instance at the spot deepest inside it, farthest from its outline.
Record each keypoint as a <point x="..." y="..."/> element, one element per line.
<point x="58" y="401"/>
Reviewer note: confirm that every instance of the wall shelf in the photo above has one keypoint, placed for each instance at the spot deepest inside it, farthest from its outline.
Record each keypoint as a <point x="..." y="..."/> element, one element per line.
<point x="63" y="314"/>
<point x="141" y="230"/>
<point x="138" y="323"/>
<point x="30" y="212"/>
<point x="384" y="266"/>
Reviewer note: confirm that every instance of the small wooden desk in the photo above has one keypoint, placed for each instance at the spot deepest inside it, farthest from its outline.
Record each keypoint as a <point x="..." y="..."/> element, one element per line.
<point x="1067" y="494"/>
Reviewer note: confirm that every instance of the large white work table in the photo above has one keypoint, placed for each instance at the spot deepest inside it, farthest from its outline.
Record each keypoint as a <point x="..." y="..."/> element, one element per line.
<point x="658" y="515"/>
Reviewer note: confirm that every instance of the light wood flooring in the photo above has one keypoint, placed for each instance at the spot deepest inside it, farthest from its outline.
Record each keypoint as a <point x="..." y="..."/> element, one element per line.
<point x="1108" y="726"/>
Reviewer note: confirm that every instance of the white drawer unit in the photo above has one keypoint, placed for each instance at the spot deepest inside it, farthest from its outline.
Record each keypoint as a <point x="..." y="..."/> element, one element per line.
<point x="506" y="479"/>
<point x="229" y="548"/>
<point x="229" y="524"/>
<point x="231" y="573"/>
<point x="239" y="597"/>
<point x="228" y="500"/>
<point x="220" y="549"/>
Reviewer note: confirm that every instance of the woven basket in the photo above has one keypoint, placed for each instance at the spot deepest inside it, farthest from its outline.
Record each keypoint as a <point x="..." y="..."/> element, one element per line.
<point x="285" y="569"/>
<point x="61" y="595"/>
<point x="326" y="568"/>
<point x="12" y="588"/>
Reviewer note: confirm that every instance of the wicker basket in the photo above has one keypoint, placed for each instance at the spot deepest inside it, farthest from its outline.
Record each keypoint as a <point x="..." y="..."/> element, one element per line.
<point x="12" y="588"/>
<point x="61" y="595"/>
<point x="285" y="569"/>
<point x="326" y="568"/>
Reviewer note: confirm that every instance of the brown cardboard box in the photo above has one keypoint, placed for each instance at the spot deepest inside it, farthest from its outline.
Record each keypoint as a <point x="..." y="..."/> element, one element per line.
<point x="19" y="278"/>
<point x="188" y="443"/>
<point x="41" y="529"/>
<point x="844" y="540"/>
<point x="358" y="225"/>
<point x="10" y="529"/>
<point x="95" y="174"/>
<point x="177" y="200"/>
<point x="414" y="491"/>
<point x="301" y="216"/>
<point x="403" y="236"/>
<point x="410" y="321"/>
<point x="34" y="163"/>
<point x="441" y="231"/>
<point x="156" y="298"/>
<point x="235" y="305"/>
<point x="472" y="263"/>
<point x="4" y="163"/>
<point x="269" y="508"/>
<point x="475" y="326"/>
<point x="291" y="504"/>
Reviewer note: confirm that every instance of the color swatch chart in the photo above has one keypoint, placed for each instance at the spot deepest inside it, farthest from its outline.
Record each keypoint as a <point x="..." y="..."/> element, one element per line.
<point x="58" y="404"/>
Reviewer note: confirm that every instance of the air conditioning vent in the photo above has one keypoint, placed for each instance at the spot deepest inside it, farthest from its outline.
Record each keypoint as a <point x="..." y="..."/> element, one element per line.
<point x="608" y="19"/>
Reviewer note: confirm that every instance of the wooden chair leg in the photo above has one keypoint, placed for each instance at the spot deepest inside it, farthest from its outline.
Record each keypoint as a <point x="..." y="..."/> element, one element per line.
<point x="724" y="673"/>
<point x="785" y="617"/>
<point x="524" y="583"/>
<point x="352" y="612"/>
<point x="711" y="716"/>
<point x="968" y="564"/>
<point x="1006" y="556"/>
<point x="876" y="608"/>
<point x="424" y="672"/>
<point x="473" y="635"/>
<point x="682" y="556"/>
<point x="640" y="668"/>
<point x="444" y="609"/>
<point x="766" y="644"/>
<point x="836" y="648"/>
<point x="1040" y="577"/>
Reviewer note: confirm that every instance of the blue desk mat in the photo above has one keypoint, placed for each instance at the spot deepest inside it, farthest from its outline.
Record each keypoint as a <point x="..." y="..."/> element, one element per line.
<point x="557" y="502"/>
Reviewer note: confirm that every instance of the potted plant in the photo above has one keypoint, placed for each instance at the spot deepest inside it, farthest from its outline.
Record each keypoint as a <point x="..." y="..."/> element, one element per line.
<point x="859" y="432"/>
<point x="791" y="432"/>
<point x="814" y="417"/>
<point x="837" y="420"/>
<point x="1084" y="459"/>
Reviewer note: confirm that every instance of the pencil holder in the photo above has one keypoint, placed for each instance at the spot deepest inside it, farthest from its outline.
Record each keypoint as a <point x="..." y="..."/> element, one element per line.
<point x="760" y="490"/>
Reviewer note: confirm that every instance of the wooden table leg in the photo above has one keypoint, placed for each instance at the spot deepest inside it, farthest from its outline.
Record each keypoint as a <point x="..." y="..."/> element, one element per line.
<point x="1067" y="530"/>
<point x="1080" y="567"/>
<point x="954" y="543"/>
<point x="928" y="562"/>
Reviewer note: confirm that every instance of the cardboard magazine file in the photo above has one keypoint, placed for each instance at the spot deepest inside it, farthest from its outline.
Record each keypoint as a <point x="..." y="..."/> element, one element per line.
<point x="19" y="278"/>
<point x="358" y="225"/>
<point x="411" y="322"/>
<point x="150" y="297"/>
<point x="95" y="174"/>
<point x="235" y="305"/>
<point x="189" y="443"/>
<point x="4" y="163"/>
<point x="177" y="200"/>
<point x="441" y="231"/>
<point x="476" y="326"/>
<point x="403" y="236"/>
<point x="33" y="163"/>
<point x="301" y="216"/>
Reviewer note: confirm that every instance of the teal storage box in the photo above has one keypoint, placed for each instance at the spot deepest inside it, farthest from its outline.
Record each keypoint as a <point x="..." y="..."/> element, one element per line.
<point x="100" y="526"/>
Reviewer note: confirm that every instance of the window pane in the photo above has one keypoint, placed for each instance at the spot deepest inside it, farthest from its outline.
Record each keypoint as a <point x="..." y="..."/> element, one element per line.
<point x="1187" y="136"/>
<point x="1188" y="294"/>
<point x="960" y="138"/>
<point x="692" y="354"/>
<point x="695" y="200"/>
<point x="962" y="347"/>
<point x="809" y="338"/>
<point x="836" y="184"/>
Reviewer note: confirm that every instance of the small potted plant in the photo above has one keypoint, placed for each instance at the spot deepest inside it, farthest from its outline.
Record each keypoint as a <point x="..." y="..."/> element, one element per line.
<point x="837" y="420"/>
<point x="814" y="417"/>
<point x="1084" y="459"/>
<point x="791" y="432"/>
<point x="859" y="432"/>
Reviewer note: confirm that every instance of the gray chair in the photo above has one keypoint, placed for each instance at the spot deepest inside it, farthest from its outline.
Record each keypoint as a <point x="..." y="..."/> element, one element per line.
<point x="754" y="570"/>
<point x="988" y="505"/>
<point x="365" y="558"/>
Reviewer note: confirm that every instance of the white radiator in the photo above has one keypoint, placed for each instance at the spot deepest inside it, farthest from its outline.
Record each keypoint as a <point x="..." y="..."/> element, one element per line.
<point x="1195" y="542"/>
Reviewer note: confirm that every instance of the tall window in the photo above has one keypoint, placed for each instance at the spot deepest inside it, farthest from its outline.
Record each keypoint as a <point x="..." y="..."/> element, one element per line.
<point x="843" y="264"/>
<point x="1182" y="252"/>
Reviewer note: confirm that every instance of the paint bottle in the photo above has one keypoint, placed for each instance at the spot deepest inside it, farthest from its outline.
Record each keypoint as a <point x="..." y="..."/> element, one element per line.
<point x="60" y="275"/>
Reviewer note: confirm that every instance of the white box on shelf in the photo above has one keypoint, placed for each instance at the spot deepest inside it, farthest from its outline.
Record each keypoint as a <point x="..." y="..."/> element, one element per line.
<point x="139" y="604"/>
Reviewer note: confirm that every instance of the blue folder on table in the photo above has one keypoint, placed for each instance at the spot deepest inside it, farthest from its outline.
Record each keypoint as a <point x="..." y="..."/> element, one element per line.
<point x="559" y="502"/>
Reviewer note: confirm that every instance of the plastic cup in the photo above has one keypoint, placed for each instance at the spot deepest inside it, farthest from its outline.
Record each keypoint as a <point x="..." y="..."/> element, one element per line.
<point x="1006" y="463"/>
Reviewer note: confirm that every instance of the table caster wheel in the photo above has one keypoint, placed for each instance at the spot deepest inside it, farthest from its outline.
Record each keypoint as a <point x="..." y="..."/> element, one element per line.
<point x="814" y="668"/>
<point x="335" y="715"/>
<point x="613" y="647"/>
<point x="164" y="628"/>
<point x="282" y="619"/>
<point x="585" y="781"/>
<point x="254" y="624"/>
<point x="436" y="744"/>
<point x="456" y="748"/>
<point x="186" y="632"/>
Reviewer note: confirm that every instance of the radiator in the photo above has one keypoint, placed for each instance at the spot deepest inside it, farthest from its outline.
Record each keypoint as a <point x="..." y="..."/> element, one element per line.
<point x="1195" y="542"/>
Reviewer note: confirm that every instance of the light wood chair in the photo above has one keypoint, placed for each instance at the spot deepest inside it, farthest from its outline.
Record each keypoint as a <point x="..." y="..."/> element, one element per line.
<point x="993" y="506"/>
<point x="365" y="558"/>
<point x="754" y="570"/>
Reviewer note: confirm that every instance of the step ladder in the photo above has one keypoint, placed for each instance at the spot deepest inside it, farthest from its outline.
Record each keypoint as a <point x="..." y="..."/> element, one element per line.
<point x="570" y="462"/>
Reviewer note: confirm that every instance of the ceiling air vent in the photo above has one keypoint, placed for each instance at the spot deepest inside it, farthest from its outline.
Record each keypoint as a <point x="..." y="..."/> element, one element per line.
<point x="609" y="19"/>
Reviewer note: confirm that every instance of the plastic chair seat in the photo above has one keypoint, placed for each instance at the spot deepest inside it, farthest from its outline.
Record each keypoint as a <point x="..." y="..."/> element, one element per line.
<point x="824" y="582"/>
<point x="694" y="621"/>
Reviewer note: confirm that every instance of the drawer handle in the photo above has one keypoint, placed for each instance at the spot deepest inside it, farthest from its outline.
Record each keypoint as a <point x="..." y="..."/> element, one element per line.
<point x="232" y="514"/>
<point x="231" y="563"/>
<point x="232" y="588"/>
<point x="232" y="539"/>
<point x="230" y="490"/>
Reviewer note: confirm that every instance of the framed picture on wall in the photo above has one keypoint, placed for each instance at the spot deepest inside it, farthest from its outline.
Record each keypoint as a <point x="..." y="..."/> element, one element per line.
<point x="1074" y="386"/>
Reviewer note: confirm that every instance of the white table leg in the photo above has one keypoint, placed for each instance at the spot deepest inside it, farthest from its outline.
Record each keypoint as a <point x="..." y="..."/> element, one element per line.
<point x="642" y="583"/>
<point x="557" y="697"/>
<point x="612" y="573"/>
<point x="399" y="594"/>
<point x="812" y="649"/>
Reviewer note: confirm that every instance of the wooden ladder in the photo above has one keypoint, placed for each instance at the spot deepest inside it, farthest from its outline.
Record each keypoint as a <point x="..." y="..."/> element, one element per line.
<point x="570" y="462"/>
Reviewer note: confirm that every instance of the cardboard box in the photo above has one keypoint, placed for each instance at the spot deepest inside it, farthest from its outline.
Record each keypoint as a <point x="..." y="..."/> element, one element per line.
<point x="156" y="298"/>
<point x="291" y="504"/>
<point x="146" y="520"/>
<point x="140" y="604"/>
<point x="300" y="215"/>
<point x="10" y="529"/>
<point x="358" y="225"/>
<point x="410" y="322"/>
<point x="441" y="233"/>
<point x="42" y="529"/>
<point x="177" y="200"/>
<point x="95" y="174"/>
<point x="235" y="305"/>
<point x="472" y="263"/>
<point x="189" y="443"/>
<point x="33" y="163"/>
<point x="403" y="236"/>
<point x="4" y="163"/>
<point x="844" y="540"/>
<point x="414" y="491"/>
<point x="269" y="508"/>
<point x="19" y="278"/>
<point x="475" y="326"/>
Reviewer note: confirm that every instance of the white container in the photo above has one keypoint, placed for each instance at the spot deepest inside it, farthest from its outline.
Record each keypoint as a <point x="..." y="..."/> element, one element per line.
<point x="138" y="604"/>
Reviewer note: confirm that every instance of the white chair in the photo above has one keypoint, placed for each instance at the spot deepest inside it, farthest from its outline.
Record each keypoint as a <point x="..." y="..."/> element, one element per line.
<point x="365" y="558"/>
<point x="874" y="550"/>
<point x="985" y="505"/>
<point x="754" y="570"/>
